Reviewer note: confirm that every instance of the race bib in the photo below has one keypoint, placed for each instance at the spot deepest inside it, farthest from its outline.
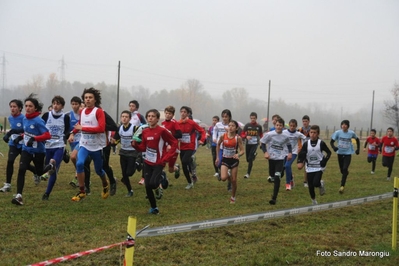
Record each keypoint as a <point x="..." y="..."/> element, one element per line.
<point x="151" y="155"/>
<point x="185" y="138"/>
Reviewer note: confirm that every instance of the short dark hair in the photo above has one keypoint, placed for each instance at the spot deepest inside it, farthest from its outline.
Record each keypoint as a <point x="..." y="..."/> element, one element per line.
<point x="293" y="121"/>
<point x="315" y="127"/>
<point x="19" y="103"/>
<point x="135" y="102"/>
<point x="58" y="99"/>
<point x="305" y="117"/>
<point x="373" y="130"/>
<point x="253" y="114"/>
<point x="227" y="112"/>
<point x="216" y="117"/>
<point x="157" y="114"/>
<point x="390" y="128"/>
<point x="281" y="121"/>
<point x="76" y="99"/>
<point x="346" y="122"/>
<point x="127" y="112"/>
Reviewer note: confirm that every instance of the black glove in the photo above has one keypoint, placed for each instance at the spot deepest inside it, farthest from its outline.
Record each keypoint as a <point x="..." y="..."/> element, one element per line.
<point x="357" y="152"/>
<point x="323" y="162"/>
<point x="6" y="138"/>
<point x="30" y="142"/>
<point x="18" y="139"/>
<point x="335" y="148"/>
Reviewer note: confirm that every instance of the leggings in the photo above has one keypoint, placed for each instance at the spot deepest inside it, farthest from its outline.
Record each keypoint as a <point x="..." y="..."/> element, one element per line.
<point x="250" y="151"/>
<point x="387" y="161"/>
<point x="128" y="166"/>
<point x="25" y="160"/>
<point x="276" y="167"/>
<point x="56" y="154"/>
<point x="13" y="153"/>
<point x="186" y="161"/>
<point x="344" y="161"/>
<point x="152" y="179"/>
<point x="314" y="179"/>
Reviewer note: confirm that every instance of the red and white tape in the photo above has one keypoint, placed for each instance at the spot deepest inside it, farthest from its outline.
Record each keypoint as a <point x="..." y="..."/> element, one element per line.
<point x="128" y="243"/>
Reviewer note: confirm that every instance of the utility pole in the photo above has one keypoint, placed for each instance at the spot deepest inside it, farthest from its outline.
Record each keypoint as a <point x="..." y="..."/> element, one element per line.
<point x="268" y="105"/>
<point x="117" y="92"/>
<point x="63" y="65"/>
<point x="372" y="112"/>
<point x="4" y="78"/>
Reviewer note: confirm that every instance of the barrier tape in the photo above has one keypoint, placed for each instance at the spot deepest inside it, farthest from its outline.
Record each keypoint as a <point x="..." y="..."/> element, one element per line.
<point x="127" y="243"/>
<point x="187" y="227"/>
<point x="194" y="226"/>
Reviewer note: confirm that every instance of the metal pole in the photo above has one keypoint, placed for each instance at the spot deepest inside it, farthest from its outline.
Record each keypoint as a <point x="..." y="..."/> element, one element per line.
<point x="372" y="112"/>
<point x="268" y="105"/>
<point x="117" y="93"/>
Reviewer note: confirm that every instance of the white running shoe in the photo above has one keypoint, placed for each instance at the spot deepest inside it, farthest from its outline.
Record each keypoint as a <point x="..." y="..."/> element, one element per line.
<point x="322" y="188"/>
<point x="6" y="188"/>
<point x="314" y="202"/>
<point x="216" y="175"/>
<point x="246" y="176"/>
<point x="190" y="186"/>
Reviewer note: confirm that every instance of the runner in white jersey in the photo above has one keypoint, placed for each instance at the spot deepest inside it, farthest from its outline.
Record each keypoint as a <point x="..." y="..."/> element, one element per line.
<point x="93" y="140"/>
<point x="273" y="144"/>
<point x="312" y="155"/>
<point x="295" y="138"/>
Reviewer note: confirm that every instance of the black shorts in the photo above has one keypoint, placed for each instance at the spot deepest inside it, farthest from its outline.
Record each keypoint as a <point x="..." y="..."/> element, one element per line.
<point x="230" y="162"/>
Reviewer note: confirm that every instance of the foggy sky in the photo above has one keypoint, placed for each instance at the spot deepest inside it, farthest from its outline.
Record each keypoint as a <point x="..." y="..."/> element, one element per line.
<point x="332" y="52"/>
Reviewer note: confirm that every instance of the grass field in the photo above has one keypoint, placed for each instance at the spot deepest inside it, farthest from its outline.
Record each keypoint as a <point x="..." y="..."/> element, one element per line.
<point x="42" y="230"/>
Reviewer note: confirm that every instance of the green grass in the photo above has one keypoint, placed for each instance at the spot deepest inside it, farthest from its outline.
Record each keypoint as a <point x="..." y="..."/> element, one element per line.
<point x="44" y="230"/>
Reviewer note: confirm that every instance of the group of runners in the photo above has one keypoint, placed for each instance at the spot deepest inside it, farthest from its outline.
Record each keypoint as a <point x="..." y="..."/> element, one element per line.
<point x="148" y="144"/>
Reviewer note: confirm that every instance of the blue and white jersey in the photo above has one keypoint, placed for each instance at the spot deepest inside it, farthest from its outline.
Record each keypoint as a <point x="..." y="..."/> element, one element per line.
<point x="74" y="119"/>
<point x="56" y="127"/>
<point x="34" y="127"/>
<point x="218" y="130"/>
<point x="16" y="123"/>
<point x="126" y="137"/>
<point x="344" y="139"/>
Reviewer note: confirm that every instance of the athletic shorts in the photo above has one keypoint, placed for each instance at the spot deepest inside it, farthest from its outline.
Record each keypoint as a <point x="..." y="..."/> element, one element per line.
<point x="230" y="162"/>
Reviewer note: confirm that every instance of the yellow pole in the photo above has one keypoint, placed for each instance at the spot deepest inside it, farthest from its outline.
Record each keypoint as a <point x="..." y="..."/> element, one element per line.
<point x="131" y="234"/>
<point x="395" y="213"/>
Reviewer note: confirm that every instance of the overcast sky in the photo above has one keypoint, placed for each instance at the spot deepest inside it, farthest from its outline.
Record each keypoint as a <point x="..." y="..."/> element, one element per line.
<point x="335" y="52"/>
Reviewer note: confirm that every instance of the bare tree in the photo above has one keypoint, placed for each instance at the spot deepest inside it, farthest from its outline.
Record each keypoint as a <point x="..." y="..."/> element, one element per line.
<point x="391" y="111"/>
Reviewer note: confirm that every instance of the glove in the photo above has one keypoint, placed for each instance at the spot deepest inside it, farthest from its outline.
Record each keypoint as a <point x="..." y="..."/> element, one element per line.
<point x="30" y="142"/>
<point x="335" y="148"/>
<point x="17" y="140"/>
<point x="6" y="138"/>
<point x="357" y="152"/>
<point x="323" y="162"/>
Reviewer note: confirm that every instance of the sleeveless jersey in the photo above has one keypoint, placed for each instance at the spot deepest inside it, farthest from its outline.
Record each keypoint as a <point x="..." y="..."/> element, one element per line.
<point x="126" y="138"/>
<point x="56" y="127"/>
<point x="229" y="146"/>
<point x="73" y="121"/>
<point x="314" y="157"/>
<point x="91" y="141"/>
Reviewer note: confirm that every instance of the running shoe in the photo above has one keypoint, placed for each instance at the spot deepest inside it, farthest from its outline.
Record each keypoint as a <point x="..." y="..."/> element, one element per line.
<point x="141" y="182"/>
<point x="17" y="200"/>
<point x="372" y="172"/>
<point x="341" y="190"/>
<point x="232" y="200"/>
<point x="190" y="186"/>
<point x="305" y="184"/>
<point x="113" y="189"/>
<point x="322" y="188"/>
<point x="158" y="193"/>
<point x="74" y="183"/>
<point x="105" y="192"/>
<point x="270" y="179"/>
<point x="50" y="167"/>
<point x="80" y="196"/>
<point x="177" y="171"/>
<point x="45" y="196"/>
<point x="314" y="202"/>
<point x="44" y="177"/>
<point x="129" y="194"/>
<point x="195" y="178"/>
<point x="6" y="187"/>
<point x="246" y="176"/>
<point x="154" y="210"/>
<point x="272" y="202"/>
<point x="216" y="175"/>
<point x="36" y="179"/>
<point x="288" y="187"/>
